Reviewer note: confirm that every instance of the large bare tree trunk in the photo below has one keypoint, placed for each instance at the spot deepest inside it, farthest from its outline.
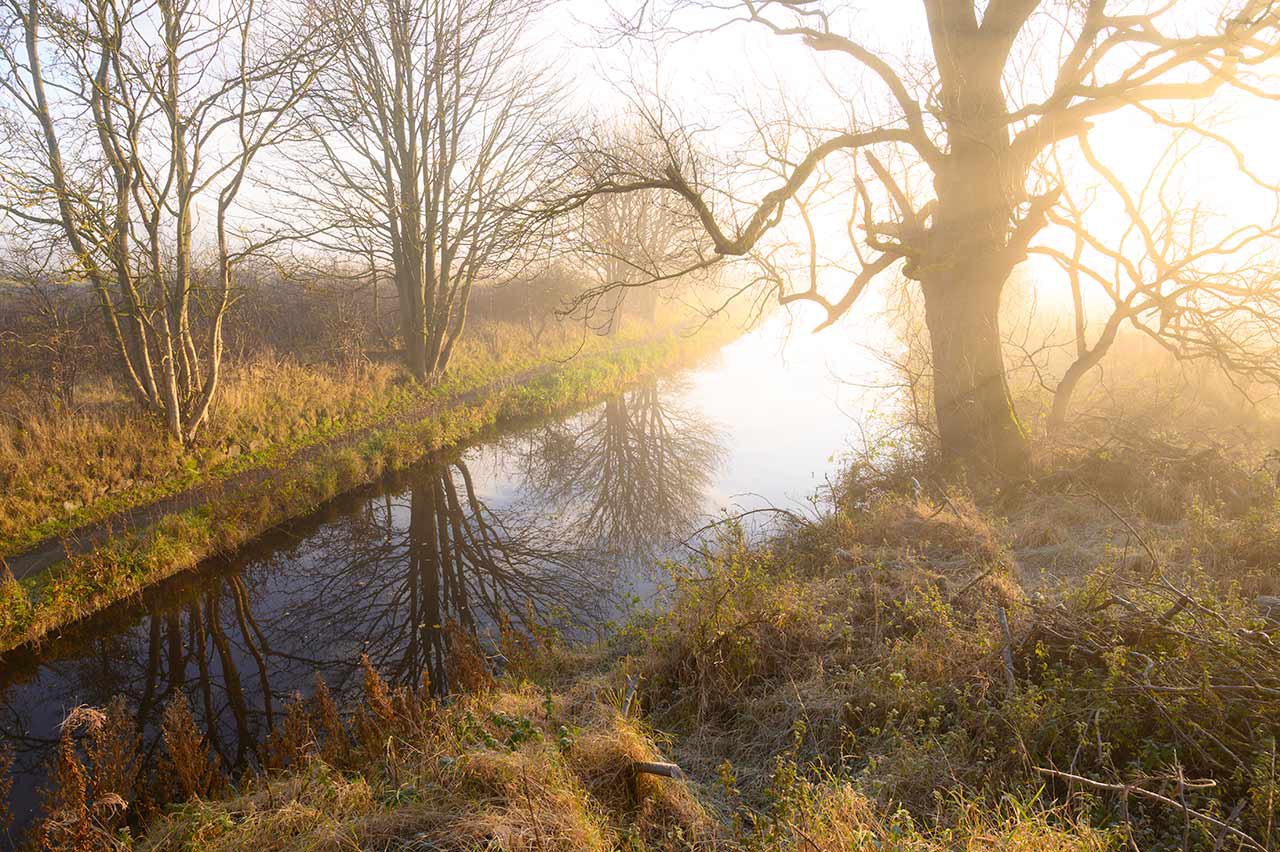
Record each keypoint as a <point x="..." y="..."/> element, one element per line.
<point x="970" y="252"/>
<point x="977" y="424"/>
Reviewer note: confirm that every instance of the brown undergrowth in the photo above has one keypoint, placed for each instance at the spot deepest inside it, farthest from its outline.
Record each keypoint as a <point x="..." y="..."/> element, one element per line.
<point x="1075" y="650"/>
<point x="511" y="768"/>
<point x="916" y="668"/>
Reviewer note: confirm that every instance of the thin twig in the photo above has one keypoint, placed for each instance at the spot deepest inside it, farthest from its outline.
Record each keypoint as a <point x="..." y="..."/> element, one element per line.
<point x="1151" y="554"/>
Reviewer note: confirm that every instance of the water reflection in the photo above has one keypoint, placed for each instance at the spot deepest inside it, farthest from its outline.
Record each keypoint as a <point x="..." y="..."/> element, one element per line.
<point x="462" y="562"/>
<point x="632" y="476"/>
<point x="542" y="529"/>
<point x="382" y="579"/>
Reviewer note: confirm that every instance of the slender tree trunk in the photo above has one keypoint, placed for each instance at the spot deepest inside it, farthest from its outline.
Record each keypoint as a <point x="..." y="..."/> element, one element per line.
<point x="1062" y="397"/>
<point x="1086" y="359"/>
<point x="412" y="321"/>
<point x="977" y="424"/>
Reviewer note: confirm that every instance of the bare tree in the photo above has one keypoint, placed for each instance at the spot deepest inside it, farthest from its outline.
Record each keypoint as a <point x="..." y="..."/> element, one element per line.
<point x="1199" y="287"/>
<point x="44" y="344"/>
<point x="623" y="239"/>
<point x="428" y="126"/>
<point x="944" y="176"/>
<point x="131" y="120"/>
<point x="633" y="245"/>
<point x="536" y="299"/>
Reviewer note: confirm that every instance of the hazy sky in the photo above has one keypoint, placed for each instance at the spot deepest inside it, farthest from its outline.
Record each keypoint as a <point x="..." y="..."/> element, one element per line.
<point x="712" y="77"/>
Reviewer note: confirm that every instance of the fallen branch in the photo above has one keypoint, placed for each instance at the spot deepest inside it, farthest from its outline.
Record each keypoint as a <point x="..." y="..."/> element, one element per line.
<point x="1127" y="789"/>
<point x="666" y="770"/>
<point x="975" y="581"/>
<point x="1133" y="531"/>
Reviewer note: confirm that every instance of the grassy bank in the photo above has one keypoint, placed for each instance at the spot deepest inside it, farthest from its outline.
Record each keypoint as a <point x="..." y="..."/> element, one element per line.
<point x="1085" y="662"/>
<point x="300" y="473"/>
<point x="61" y="470"/>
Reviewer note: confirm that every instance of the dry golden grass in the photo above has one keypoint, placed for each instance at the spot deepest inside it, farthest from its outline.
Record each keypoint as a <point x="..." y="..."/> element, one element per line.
<point x="953" y="531"/>
<point x="837" y="818"/>
<point x="496" y="770"/>
<point x="312" y="810"/>
<point x="56" y="469"/>
<point x="514" y="770"/>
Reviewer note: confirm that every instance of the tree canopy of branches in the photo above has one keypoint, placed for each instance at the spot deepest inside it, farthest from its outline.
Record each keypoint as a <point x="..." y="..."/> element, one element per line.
<point x="946" y="172"/>
<point x="126" y="121"/>
<point x="428" y="122"/>
<point x="633" y="245"/>
<point x="625" y="240"/>
<point x="1197" y="284"/>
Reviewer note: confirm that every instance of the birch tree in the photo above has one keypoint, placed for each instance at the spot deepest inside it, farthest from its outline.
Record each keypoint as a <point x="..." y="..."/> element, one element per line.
<point x="133" y="127"/>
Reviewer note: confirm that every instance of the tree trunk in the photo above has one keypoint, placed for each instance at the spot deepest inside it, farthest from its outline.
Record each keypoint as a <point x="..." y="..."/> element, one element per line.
<point x="412" y="320"/>
<point x="415" y="345"/>
<point x="1062" y="398"/>
<point x="977" y="425"/>
<point x="1086" y="359"/>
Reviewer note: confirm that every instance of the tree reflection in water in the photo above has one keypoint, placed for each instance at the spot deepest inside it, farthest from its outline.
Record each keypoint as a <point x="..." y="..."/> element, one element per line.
<point x="382" y="580"/>
<point x="380" y="576"/>
<point x="632" y="476"/>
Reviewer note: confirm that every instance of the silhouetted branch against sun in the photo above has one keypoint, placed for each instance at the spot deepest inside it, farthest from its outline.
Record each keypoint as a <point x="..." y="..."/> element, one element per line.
<point x="947" y="179"/>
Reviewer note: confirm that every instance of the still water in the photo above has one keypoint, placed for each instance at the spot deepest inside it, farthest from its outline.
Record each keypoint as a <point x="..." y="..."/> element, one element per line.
<point x="563" y="523"/>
